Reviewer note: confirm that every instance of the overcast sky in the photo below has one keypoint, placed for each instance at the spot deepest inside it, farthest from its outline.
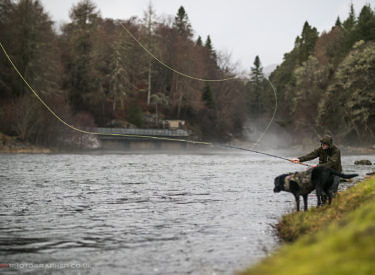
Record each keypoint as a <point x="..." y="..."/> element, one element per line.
<point x="242" y="28"/>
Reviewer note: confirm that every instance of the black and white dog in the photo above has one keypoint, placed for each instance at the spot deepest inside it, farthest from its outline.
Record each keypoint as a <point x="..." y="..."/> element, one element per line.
<point x="323" y="179"/>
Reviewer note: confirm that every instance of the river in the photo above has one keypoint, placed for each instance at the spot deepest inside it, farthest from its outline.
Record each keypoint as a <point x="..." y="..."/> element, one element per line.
<point x="161" y="213"/>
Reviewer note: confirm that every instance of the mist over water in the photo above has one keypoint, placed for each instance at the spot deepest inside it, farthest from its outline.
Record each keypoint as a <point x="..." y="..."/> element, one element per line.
<point x="142" y="213"/>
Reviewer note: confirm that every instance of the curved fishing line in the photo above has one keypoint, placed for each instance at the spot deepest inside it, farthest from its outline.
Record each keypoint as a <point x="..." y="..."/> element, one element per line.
<point x="169" y="67"/>
<point x="273" y="115"/>
<point x="124" y="135"/>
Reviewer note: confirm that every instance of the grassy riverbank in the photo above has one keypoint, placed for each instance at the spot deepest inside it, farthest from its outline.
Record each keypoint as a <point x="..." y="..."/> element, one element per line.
<point x="335" y="239"/>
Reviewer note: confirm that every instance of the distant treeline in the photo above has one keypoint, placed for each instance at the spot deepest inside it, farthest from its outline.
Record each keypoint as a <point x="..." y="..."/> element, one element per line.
<point x="92" y="73"/>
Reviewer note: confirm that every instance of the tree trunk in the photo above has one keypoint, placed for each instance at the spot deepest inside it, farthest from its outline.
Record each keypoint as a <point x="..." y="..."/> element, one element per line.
<point x="157" y="117"/>
<point x="179" y="100"/>
<point x="354" y="125"/>
<point x="179" y="104"/>
<point x="149" y="84"/>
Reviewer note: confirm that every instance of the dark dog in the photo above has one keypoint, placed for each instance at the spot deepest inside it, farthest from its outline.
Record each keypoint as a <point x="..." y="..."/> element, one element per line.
<point x="323" y="179"/>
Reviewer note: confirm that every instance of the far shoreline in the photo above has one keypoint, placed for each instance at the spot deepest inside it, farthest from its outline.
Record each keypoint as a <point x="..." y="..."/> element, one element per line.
<point x="25" y="148"/>
<point x="11" y="145"/>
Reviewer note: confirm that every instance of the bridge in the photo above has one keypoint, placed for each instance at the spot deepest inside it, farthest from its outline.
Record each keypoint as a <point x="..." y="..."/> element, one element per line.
<point x="112" y="139"/>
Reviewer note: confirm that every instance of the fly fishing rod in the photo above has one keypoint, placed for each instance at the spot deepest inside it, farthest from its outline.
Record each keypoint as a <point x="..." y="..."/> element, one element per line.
<point x="261" y="153"/>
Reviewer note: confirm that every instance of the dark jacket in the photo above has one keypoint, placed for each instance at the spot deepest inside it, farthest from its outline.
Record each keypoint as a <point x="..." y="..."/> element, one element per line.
<point x="330" y="158"/>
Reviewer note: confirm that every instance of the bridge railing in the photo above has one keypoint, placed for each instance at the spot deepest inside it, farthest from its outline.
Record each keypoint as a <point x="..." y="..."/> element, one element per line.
<point x="145" y="132"/>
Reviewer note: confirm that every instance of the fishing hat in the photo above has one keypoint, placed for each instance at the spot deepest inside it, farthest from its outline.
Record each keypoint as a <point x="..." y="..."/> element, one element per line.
<point x="327" y="139"/>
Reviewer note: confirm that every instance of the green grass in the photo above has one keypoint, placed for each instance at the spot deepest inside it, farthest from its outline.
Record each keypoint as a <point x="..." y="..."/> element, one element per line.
<point x="335" y="239"/>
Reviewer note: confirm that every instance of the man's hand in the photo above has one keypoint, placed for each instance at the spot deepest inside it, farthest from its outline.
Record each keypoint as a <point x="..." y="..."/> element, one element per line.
<point x="295" y="160"/>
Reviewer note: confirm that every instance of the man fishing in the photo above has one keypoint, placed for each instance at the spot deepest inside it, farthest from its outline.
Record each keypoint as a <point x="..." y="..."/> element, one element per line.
<point x="329" y="155"/>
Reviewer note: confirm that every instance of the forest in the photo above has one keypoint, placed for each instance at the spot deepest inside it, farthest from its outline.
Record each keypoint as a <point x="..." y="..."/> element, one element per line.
<point x="93" y="73"/>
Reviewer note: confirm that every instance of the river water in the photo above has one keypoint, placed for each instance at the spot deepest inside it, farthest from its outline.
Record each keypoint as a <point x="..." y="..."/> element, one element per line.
<point x="201" y="213"/>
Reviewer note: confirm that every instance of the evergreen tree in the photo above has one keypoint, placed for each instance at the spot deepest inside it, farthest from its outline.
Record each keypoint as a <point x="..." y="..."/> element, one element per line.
<point x="256" y="87"/>
<point x="208" y="98"/>
<point x="350" y="22"/>
<point x="135" y="114"/>
<point x="257" y="72"/>
<point x="306" y="43"/>
<point x="82" y="79"/>
<point x="182" y="23"/>
<point x="208" y="43"/>
<point x="356" y="29"/>
<point x="365" y="28"/>
<point x="338" y="22"/>
<point x="27" y="34"/>
<point x="210" y="48"/>
<point x="199" y="41"/>
<point x="349" y="34"/>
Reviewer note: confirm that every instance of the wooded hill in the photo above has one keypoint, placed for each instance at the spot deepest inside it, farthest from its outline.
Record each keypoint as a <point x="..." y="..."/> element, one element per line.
<point x="326" y="84"/>
<point x="91" y="72"/>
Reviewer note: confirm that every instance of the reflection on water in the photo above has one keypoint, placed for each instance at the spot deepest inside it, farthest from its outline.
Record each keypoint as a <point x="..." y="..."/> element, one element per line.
<point x="142" y="213"/>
